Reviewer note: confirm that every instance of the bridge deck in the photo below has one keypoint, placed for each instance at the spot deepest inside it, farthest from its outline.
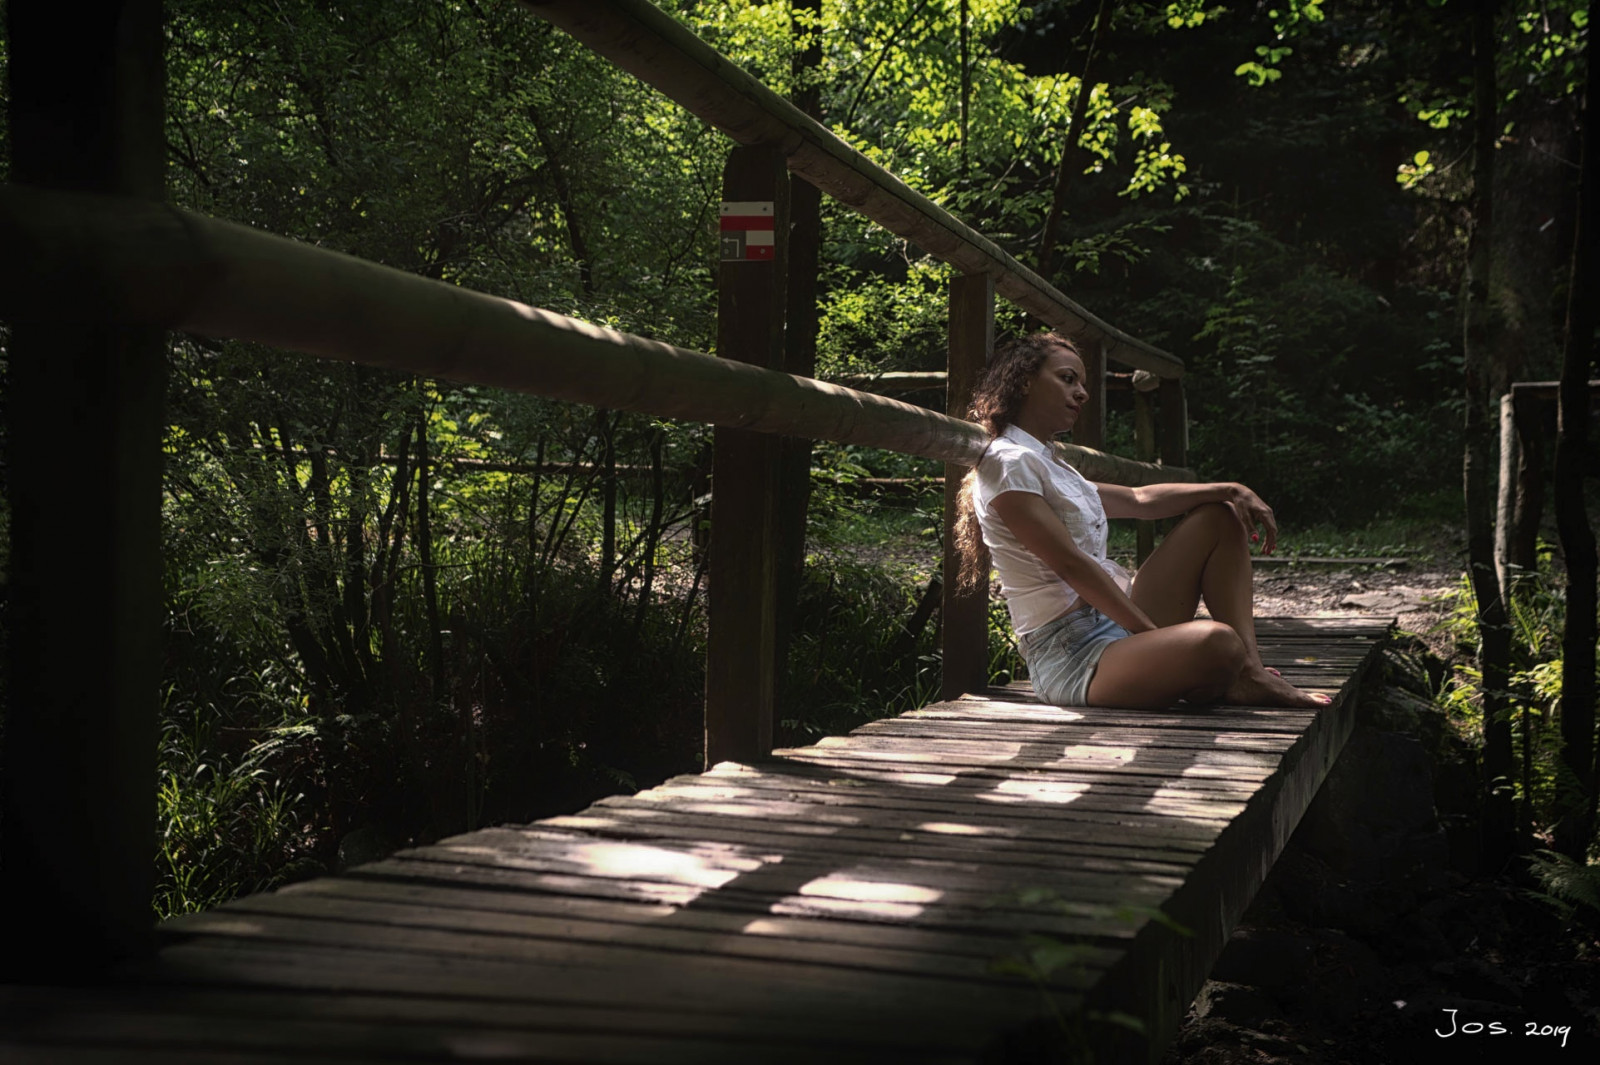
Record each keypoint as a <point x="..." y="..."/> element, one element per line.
<point x="878" y="897"/>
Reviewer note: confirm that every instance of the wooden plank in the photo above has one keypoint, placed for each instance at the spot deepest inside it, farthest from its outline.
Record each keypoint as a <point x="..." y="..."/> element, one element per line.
<point x="1001" y="915"/>
<point x="1019" y="856"/>
<point x="964" y="614"/>
<point x="118" y="1054"/>
<point x="293" y="917"/>
<point x="1001" y="715"/>
<point x="1086" y="908"/>
<point x="1548" y="391"/>
<point x="326" y="922"/>
<point x="609" y="913"/>
<point x="741" y="645"/>
<point x="1076" y="818"/>
<point x="854" y="782"/>
<point x="1160" y="816"/>
<point x="1016" y="856"/>
<point x="1346" y="628"/>
<point x="1037" y="793"/>
<point x="84" y="395"/>
<point x="953" y="754"/>
<point x="1014" y="734"/>
<point x="904" y="886"/>
<point x="476" y="1020"/>
<point x="718" y="998"/>
<point x="416" y="1041"/>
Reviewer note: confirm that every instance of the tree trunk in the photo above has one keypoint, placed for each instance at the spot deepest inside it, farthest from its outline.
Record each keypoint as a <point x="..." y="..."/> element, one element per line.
<point x="1484" y="382"/>
<point x="1528" y="506"/>
<point x="800" y="341"/>
<point x="430" y="580"/>
<point x="966" y="82"/>
<point x="605" y="423"/>
<point x="652" y="539"/>
<point x="1069" y="146"/>
<point x="1576" y="813"/>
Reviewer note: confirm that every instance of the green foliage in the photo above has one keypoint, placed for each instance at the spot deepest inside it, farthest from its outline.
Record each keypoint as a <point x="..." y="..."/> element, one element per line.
<point x="341" y="661"/>
<point x="1537" y="614"/>
<point x="1569" y="886"/>
<point x="852" y="657"/>
<point x="472" y="661"/>
<point x="229" y="819"/>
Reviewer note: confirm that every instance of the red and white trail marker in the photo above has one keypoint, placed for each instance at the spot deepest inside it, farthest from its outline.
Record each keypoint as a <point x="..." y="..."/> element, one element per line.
<point x="747" y="230"/>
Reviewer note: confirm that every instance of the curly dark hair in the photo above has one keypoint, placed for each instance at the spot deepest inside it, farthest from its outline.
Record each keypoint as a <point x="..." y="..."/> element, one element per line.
<point x="996" y="402"/>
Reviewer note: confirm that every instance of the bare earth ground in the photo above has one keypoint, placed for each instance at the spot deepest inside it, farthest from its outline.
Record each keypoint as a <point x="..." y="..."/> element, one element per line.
<point x="1415" y="594"/>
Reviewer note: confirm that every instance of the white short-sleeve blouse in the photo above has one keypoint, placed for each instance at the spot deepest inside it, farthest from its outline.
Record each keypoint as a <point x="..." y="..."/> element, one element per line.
<point x="1016" y="462"/>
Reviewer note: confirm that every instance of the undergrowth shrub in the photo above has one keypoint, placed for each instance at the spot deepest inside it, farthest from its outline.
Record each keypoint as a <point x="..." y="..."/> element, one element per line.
<point x="853" y="657"/>
<point x="1537" y="614"/>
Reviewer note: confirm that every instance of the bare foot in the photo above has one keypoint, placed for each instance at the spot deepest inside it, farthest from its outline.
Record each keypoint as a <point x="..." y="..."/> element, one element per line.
<point x="1259" y="686"/>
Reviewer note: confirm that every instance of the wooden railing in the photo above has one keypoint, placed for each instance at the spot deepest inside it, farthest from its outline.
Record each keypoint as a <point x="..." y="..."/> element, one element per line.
<point x="89" y="280"/>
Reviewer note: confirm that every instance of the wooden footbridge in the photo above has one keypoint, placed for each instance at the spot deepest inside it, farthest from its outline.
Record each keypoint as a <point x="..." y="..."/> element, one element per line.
<point x="974" y="881"/>
<point x="985" y="879"/>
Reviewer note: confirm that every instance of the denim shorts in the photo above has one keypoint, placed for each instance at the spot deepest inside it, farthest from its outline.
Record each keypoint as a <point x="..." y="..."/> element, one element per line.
<point x="1062" y="654"/>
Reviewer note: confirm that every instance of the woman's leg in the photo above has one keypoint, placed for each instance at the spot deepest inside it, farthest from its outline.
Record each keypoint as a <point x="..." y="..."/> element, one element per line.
<point x="1195" y="660"/>
<point x="1207" y="556"/>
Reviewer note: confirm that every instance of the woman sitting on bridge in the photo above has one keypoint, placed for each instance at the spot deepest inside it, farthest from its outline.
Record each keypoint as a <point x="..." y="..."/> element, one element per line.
<point x="1091" y="635"/>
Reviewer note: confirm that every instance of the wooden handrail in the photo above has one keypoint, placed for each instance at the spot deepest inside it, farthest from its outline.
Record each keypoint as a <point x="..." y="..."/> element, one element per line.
<point x="650" y="44"/>
<point x="164" y="266"/>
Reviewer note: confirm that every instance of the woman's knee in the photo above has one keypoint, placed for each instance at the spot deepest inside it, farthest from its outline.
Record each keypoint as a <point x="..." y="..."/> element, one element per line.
<point x="1223" y="517"/>
<point x="1220" y="650"/>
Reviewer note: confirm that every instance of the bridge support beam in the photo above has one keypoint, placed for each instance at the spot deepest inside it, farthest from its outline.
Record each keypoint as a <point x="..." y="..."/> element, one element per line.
<point x="964" y="629"/>
<point x="1144" y="444"/>
<point x="83" y="454"/>
<point x="1174" y="424"/>
<point x="1090" y="430"/>
<point x="741" y="656"/>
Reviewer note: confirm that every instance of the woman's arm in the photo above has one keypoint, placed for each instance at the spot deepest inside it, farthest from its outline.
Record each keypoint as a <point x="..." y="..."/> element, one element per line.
<point x="1170" y="500"/>
<point x="1032" y="522"/>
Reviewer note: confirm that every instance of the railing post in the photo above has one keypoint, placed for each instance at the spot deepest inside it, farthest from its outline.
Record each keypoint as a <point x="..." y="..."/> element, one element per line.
<point x="1144" y="445"/>
<point x="965" y="614"/>
<point x="1529" y="504"/>
<point x="800" y="359"/>
<point x="1090" y="431"/>
<point x="1506" y="498"/>
<point x="741" y="655"/>
<point x="84" y="423"/>
<point x="1174" y="423"/>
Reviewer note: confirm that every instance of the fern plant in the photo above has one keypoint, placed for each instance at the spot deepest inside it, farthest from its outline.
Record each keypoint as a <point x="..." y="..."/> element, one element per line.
<point x="1569" y="886"/>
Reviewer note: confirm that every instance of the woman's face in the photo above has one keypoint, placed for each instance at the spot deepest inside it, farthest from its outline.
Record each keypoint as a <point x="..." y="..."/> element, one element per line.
<point x="1056" y="394"/>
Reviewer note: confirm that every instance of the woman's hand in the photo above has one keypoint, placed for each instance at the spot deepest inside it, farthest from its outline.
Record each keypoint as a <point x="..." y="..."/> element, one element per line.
<point x="1254" y="511"/>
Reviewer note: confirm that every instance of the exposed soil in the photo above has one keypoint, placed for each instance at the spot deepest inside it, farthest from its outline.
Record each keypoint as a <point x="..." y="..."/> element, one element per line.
<point x="1415" y="595"/>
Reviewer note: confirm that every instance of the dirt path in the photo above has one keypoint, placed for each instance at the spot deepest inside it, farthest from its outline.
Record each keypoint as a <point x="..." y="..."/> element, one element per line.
<point x="1417" y="595"/>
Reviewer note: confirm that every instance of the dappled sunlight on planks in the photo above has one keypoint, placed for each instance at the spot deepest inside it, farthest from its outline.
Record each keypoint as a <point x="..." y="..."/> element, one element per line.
<point x="947" y="828"/>
<point x="1022" y="789"/>
<point x="847" y="894"/>
<point x="1096" y="752"/>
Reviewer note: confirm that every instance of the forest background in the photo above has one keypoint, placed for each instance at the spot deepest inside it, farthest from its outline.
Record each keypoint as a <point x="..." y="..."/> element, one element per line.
<point x="400" y="608"/>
